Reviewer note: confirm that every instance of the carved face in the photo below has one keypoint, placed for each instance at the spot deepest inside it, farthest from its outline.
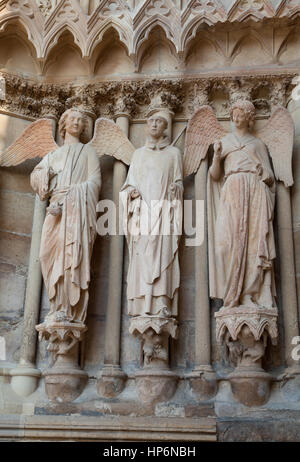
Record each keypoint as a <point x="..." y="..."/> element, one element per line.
<point x="156" y="126"/>
<point x="74" y="123"/>
<point x="240" y="118"/>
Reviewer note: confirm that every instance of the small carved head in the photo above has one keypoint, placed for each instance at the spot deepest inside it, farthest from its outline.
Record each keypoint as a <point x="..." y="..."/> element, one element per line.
<point x="72" y="121"/>
<point x="242" y="112"/>
<point x="157" y="124"/>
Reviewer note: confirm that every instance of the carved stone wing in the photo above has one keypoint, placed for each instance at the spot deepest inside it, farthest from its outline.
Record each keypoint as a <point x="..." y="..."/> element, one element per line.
<point x="278" y="135"/>
<point x="110" y="139"/>
<point x="36" y="141"/>
<point x="203" y="130"/>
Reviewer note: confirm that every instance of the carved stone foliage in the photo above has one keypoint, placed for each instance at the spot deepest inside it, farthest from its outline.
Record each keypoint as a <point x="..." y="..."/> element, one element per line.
<point x="46" y="7"/>
<point x="137" y="98"/>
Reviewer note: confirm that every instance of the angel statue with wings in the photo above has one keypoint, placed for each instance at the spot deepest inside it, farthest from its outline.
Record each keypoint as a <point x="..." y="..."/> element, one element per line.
<point x="241" y="187"/>
<point x="241" y="199"/>
<point x="69" y="177"/>
<point x="242" y="238"/>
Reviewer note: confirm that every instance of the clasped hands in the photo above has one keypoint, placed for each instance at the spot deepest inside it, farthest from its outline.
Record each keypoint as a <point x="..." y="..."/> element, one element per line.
<point x="135" y="193"/>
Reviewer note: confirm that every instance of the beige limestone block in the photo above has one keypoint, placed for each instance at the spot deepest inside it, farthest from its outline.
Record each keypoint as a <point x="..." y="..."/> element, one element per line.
<point x="16" y="212"/>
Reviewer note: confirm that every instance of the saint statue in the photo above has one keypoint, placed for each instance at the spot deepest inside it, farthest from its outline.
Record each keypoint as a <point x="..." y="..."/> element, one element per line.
<point x="154" y="182"/>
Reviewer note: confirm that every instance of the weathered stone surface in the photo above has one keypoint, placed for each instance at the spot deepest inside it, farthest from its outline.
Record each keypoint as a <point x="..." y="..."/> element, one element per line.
<point x="75" y="428"/>
<point x="16" y="212"/>
<point x="14" y="249"/>
<point x="267" y="430"/>
<point x="120" y="59"/>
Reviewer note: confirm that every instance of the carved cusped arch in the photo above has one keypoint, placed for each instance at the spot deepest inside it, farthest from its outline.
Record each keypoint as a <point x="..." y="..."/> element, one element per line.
<point x="142" y="34"/>
<point x="97" y="35"/>
<point x="199" y="37"/>
<point x="52" y="38"/>
<point x="254" y="36"/>
<point x="150" y="39"/>
<point x="293" y="34"/>
<point x="112" y="52"/>
<point x="21" y="50"/>
<point x="24" y="23"/>
<point x="66" y="49"/>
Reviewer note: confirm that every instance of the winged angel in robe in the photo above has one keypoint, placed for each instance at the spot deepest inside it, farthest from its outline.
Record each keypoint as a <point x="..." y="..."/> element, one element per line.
<point x="69" y="176"/>
<point x="240" y="199"/>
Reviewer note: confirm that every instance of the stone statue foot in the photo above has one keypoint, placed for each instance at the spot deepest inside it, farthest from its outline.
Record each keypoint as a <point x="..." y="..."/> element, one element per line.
<point x="247" y="301"/>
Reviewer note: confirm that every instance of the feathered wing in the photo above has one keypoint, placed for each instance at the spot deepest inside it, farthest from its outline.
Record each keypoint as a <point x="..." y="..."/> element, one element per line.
<point x="278" y="135"/>
<point x="110" y="139"/>
<point x="36" y="141"/>
<point x="203" y="130"/>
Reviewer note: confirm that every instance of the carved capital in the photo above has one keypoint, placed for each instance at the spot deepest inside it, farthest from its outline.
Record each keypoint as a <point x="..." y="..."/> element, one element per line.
<point x="61" y="335"/>
<point x="257" y="319"/>
<point x="125" y="105"/>
<point x="154" y="332"/>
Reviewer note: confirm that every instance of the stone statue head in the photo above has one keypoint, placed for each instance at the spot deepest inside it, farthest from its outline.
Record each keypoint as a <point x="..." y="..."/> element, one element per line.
<point x="72" y="121"/>
<point x="157" y="124"/>
<point x="243" y="111"/>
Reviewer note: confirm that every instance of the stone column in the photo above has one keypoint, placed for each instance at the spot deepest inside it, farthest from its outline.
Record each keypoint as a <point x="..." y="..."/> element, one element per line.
<point x="288" y="267"/>
<point x="112" y="379"/>
<point x="203" y="378"/>
<point x="26" y="376"/>
<point x="287" y="274"/>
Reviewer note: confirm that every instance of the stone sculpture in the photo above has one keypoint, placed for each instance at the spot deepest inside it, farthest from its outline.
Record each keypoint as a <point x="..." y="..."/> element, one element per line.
<point x="69" y="176"/>
<point x="241" y="199"/>
<point x="152" y="202"/>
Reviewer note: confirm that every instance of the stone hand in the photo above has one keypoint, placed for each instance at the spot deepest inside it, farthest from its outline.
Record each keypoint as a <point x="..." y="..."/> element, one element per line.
<point x="217" y="150"/>
<point x="52" y="173"/>
<point x="259" y="169"/>
<point x="54" y="209"/>
<point x="134" y="194"/>
<point x="173" y="187"/>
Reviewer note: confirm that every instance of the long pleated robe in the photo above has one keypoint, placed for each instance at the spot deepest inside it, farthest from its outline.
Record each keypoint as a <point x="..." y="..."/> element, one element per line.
<point x="240" y="225"/>
<point x="153" y="275"/>
<point x="67" y="239"/>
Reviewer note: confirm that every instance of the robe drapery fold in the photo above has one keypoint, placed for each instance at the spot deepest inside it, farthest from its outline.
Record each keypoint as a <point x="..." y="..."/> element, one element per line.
<point x="240" y="225"/>
<point x="153" y="274"/>
<point x="68" y="237"/>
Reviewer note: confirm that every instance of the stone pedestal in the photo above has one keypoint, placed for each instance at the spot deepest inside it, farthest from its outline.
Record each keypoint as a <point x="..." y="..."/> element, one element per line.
<point x="111" y="381"/>
<point x="155" y="382"/>
<point x="65" y="380"/>
<point x="244" y="330"/>
<point x="250" y="386"/>
<point x="25" y="379"/>
<point x="155" y="385"/>
<point x="203" y="382"/>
